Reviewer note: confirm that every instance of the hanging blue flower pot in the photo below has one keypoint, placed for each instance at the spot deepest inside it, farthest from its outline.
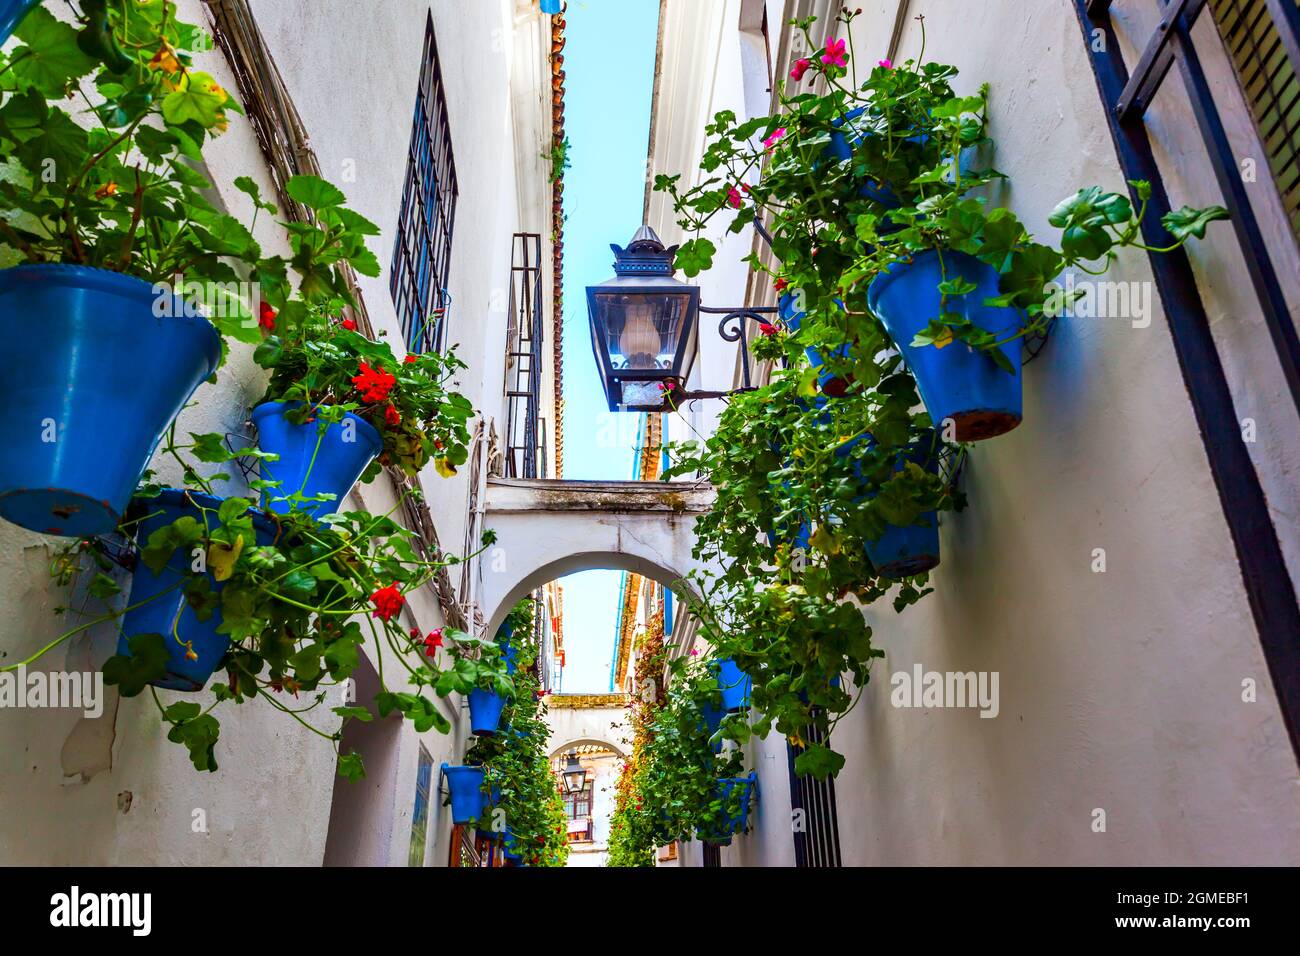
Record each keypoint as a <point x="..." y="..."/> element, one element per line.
<point x="465" y="784"/>
<point x="735" y="820"/>
<point x="98" y="365"/>
<point x="11" y="14"/>
<point x="491" y="803"/>
<point x="550" y="7"/>
<point x="312" y="463"/>
<point x="904" y="550"/>
<point x="956" y="382"/>
<point x="163" y="608"/>
<point x="712" y="722"/>
<point x="735" y="685"/>
<point x="853" y="129"/>
<point x="792" y="320"/>
<point x="485" y="708"/>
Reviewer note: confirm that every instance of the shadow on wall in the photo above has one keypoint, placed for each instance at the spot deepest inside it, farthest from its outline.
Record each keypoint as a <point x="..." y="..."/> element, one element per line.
<point x="361" y="814"/>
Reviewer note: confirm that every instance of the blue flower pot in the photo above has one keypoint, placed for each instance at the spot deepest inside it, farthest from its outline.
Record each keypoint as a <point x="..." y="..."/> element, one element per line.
<point x="491" y="803"/>
<point x="311" y="463"/>
<point x="11" y="14"/>
<point x="956" y="382"/>
<point x="712" y="722"/>
<point x="551" y="7"/>
<point x="485" y="712"/>
<point x="735" y="685"/>
<point x="734" y="822"/>
<point x="841" y="148"/>
<point x="904" y="551"/>
<point x="95" y="374"/>
<point x="166" y="611"/>
<point x="792" y="320"/>
<point x="466" y="787"/>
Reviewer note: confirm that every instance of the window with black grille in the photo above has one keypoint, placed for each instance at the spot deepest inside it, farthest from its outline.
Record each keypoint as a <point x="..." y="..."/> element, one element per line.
<point x="422" y="253"/>
<point x="525" y="436"/>
<point x="816" y="830"/>
<point x="1263" y="51"/>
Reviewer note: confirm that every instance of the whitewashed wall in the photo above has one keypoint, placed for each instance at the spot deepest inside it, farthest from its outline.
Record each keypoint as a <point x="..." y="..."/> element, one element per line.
<point x="113" y="790"/>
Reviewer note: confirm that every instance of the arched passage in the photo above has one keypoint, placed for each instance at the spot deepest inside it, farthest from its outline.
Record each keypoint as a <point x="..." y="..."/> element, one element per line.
<point x="548" y="529"/>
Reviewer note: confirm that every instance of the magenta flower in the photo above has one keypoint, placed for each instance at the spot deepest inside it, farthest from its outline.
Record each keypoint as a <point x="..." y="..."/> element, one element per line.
<point x="887" y="63"/>
<point x="835" y="55"/>
<point x="801" y="66"/>
<point x="771" y="140"/>
<point x="767" y="328"/>
<point x="733" y="197"/>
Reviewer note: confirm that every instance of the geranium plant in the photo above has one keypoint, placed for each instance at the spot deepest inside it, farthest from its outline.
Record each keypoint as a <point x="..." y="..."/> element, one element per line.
<point x="855" y="183"/>
<point x="530" y="816"/>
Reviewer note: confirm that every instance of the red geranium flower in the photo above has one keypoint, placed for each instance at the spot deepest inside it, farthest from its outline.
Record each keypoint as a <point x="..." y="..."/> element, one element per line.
<point x="266" y="316"/>
<point x="387" y="601"/>
<point x="767" y="328"/>
<point x="409" y="360"/>
<point x="349" y="324"/>
<point x="392" y="417"/>
<point x="373" y="383"/>
<point x="433" y="642"/>
<point x="780" y="285"/>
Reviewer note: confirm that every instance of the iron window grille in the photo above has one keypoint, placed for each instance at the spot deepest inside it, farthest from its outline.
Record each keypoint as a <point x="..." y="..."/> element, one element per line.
<point x="525" y="440"/>
<point x="817" y="841"/>
<point x="422" y="252"/>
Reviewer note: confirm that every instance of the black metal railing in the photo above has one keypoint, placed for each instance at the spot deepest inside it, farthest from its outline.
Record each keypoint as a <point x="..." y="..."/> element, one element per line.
<point x="525" y="441"/>
<point x="816" y="823"/>
<point x="422" y="253"/>
<point x="1126" y="96"/>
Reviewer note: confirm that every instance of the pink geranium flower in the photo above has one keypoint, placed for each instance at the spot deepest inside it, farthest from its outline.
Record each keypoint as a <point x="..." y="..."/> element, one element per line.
<point x="771" y="140"/>
<point x="801" y="66"/>
<point x="887" y="63"/>
<point x="733" y="197"/>
<point x="835" y="55"/>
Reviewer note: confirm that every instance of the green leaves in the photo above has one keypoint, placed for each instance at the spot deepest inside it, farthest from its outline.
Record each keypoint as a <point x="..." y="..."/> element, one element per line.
<point x="819" y="761"/>
<point x="146" y="662"/>
<point x="695" y="256"/>
<point x="51" y="56"/>
<point x="197" y="98"/>
<point x="314" y="192"/>
<point x="1187" y="222"/>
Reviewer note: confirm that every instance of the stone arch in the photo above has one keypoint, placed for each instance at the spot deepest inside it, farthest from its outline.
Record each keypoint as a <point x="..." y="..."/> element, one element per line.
<point x="546" y="529"/>
<point x="581" y="741"/>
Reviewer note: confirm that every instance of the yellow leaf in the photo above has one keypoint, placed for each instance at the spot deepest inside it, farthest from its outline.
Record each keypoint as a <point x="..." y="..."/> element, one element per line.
<point x="824" y="540"/>
<point x="222" y="558"/>
<point x="944" y="340"/>
<point x="444" y="467"/>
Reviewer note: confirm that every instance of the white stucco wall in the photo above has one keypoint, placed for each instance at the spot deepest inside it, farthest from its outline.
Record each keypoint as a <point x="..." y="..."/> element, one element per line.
<point x="1119" y="691"/>
<point x="352" y="70"/>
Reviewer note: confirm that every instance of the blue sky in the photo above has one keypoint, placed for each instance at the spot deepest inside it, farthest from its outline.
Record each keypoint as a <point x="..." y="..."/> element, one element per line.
<point x="609" y="71"/>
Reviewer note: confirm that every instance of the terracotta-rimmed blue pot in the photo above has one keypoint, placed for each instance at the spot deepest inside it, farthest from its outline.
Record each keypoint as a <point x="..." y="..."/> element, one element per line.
<point x="12" y="13"/>
<point x="957" y="383"/>
<point x="736" y="821"/>
<point x="162" y="605"/>
<point x="312" y="462"/>
<point x="485" y="708"/>
<point x="97" y="366"/>
<point x="465" y="785"/>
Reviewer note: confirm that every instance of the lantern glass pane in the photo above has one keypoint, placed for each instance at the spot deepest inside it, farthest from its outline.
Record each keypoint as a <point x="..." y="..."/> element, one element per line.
<point x="642" y="329"/>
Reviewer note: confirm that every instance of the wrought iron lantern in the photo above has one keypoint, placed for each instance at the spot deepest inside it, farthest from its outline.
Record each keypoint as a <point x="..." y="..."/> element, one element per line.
<point x="643" y="325"/>
<point x="645" y="329"/>
<point x="575" y="777"/>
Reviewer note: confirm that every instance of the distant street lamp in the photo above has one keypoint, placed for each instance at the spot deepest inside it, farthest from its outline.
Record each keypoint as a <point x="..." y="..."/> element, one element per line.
<point x="575" y="778"/>
<point x="645" y="329"/>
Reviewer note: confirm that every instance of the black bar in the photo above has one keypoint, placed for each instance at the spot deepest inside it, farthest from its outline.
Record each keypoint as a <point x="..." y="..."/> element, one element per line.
<point x="1152" y="65"/>
<point x="1286" y="18"/>
<point x="1263" y="568"/>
